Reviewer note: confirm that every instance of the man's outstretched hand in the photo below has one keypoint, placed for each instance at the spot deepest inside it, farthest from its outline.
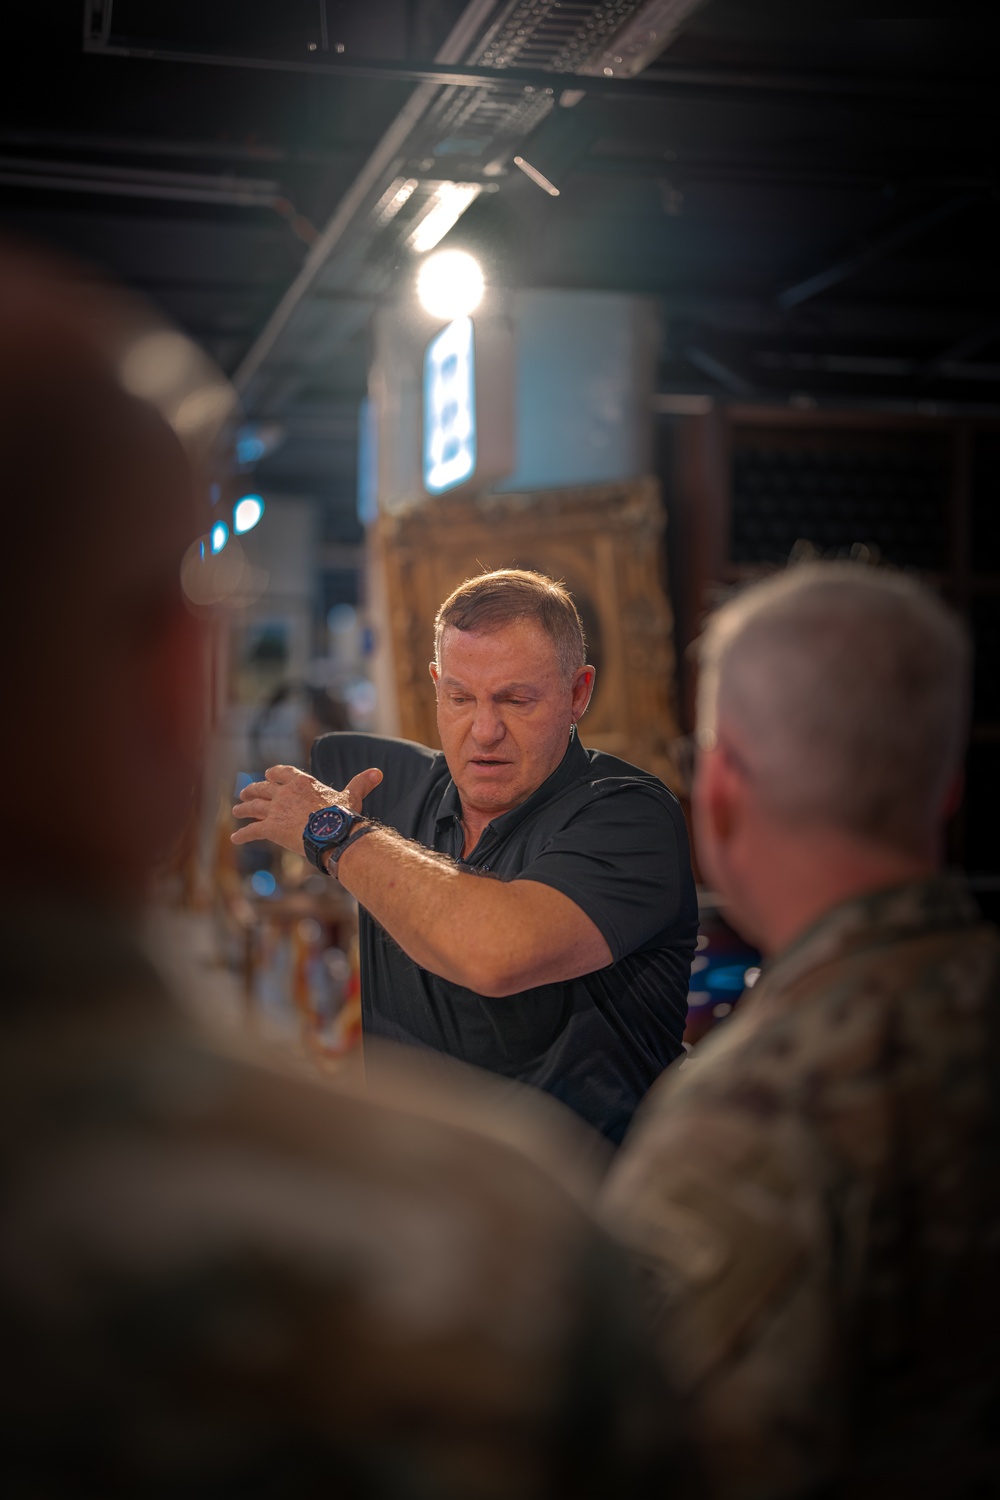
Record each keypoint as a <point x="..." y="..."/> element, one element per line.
<point x="280" y="804"/>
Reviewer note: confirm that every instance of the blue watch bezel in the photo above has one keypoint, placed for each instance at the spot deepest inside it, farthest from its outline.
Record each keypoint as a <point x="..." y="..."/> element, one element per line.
<point x="317" y="843"/>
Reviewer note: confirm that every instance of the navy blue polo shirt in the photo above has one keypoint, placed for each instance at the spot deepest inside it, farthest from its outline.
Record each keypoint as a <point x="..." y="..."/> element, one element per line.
<point x="610" y="837"/>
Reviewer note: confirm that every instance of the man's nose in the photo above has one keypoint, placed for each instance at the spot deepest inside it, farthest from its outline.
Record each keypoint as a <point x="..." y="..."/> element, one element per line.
<point x="487" y="724"/>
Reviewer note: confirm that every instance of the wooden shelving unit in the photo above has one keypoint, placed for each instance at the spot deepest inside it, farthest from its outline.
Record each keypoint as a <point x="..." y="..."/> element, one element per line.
<point x="747" y="486"/>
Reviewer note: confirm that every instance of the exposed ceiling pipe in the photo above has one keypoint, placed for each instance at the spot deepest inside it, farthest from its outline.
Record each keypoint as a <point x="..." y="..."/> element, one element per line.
<point x="196" y="187"/>
<point x="372" y="176"/>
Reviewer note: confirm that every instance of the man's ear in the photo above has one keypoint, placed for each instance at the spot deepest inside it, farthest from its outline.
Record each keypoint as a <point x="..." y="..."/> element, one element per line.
<point x="583" y="689"/>
<point x="433" y="670"/>
<point x="717" y="807"/>
<point x="712" y="792"/>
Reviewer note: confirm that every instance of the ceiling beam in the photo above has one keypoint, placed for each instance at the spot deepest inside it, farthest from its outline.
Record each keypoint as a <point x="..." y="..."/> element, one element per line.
<point x="97" y="182"/>
<point x="684" y="170"/>
<point x="962" y="348"/>
<point x="198" y="187"/>
<point x="876" y="365"/>
<point x="261" y="154"/>
<point x="656" y="83"/>
<point x="718" y="370"/>
<point x="877" y="249"/>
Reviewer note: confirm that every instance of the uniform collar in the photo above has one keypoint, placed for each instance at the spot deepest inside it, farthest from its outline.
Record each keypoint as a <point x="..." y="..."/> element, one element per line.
<point x="881" y="918"/>
<point x="572" y="766"/>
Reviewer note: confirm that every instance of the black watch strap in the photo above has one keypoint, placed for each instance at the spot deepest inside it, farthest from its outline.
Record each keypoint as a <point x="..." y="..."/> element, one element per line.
<point x="337" y="850"/>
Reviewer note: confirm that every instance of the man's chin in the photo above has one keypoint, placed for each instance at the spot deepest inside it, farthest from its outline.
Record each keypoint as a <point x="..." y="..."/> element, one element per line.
<point x="491" y="789"/>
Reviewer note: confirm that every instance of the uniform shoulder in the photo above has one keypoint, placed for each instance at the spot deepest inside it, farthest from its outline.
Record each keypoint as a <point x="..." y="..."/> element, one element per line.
<point x="798" y="1039"/>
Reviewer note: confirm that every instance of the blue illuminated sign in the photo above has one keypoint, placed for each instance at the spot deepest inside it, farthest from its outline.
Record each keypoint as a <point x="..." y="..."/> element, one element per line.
<point x="449" y="408"/>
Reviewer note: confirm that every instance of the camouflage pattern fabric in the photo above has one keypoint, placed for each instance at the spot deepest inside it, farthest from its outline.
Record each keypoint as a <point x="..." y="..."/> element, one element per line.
<point x="218" y="1279"/>
<point x="814" y="1198"/>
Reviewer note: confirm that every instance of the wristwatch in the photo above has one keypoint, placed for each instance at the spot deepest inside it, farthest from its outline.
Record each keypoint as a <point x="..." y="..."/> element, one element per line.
<point x="328" y="833"/>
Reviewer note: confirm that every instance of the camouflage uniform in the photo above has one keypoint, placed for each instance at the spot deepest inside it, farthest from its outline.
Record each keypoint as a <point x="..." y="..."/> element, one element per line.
<point x="220" y="1279"/>
<point x="815" y="1198"/>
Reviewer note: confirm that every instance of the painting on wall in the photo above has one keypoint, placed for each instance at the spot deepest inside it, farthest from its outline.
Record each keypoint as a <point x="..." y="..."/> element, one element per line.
<point x="605" y="542"/>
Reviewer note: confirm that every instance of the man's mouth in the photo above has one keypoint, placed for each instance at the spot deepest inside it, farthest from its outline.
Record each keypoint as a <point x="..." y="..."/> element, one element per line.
<point x="488" y="761"/>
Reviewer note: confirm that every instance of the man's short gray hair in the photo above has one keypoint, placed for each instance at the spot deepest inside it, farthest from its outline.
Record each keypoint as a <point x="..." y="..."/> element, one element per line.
<point x="845" y="690"/>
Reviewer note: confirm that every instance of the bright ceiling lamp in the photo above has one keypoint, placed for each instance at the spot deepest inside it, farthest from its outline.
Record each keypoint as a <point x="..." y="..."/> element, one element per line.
<point x="450" y="284"/>
<point x="246" y="513"/>
<point x="448" y="204"/>
<point x="218" y="536"/>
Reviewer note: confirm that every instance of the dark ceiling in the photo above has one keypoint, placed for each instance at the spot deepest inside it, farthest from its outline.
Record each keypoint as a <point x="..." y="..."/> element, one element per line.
<point x="809" y="186"/>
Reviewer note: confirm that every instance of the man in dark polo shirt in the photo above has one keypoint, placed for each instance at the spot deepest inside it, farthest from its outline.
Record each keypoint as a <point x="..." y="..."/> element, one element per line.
<point x="568" y="969"/>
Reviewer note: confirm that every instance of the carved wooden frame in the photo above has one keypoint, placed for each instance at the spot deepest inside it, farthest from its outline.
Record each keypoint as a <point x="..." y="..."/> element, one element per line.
<point x="605" y="541"/>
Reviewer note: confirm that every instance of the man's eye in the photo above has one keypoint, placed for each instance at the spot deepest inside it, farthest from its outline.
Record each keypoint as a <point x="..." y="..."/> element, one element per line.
<point x="457" y="699"/>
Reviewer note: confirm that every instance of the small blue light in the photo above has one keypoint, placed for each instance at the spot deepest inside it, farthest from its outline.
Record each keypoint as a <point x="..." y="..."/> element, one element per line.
<point x="214" y="491"/>
<point x="249" y="448"/>
<point x="246" y="513"/>
<point x="219" y="536"/>
<point x="263" y="883"/>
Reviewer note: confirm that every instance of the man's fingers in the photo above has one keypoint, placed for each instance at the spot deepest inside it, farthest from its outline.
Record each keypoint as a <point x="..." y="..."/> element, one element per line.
<point x="247" y="834"/>
<point x="257" y="809"/>
<point x="256" y="789"/>
<point x="281" y="774"/>
<point x="359" y="786"/>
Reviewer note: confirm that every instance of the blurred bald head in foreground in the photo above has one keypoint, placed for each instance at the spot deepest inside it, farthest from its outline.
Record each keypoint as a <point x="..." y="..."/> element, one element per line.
<point x="219" y="1276"/>
<point x="103" y="666"/>
<point x="814" y="1196"/>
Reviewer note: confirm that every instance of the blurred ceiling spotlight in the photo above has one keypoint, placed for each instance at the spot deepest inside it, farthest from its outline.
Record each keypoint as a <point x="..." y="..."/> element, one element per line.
<point x="450" y="284"/>
<point x="218" y="536"/>
<point x="538" y="178"/>
<point x="246" y="513"/>
<point x="448" y="204"/>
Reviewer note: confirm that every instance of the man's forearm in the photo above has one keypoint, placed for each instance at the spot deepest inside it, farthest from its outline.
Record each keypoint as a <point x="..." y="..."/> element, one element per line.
<point x="448" y="920"/>
<point x="492" y="936"/>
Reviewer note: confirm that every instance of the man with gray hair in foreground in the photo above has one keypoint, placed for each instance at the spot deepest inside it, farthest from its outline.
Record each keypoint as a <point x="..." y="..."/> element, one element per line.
<point x="815" y="1196"/>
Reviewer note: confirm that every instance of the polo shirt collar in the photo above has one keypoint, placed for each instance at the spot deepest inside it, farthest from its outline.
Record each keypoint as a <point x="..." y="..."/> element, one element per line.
<point x="572" y="766"/>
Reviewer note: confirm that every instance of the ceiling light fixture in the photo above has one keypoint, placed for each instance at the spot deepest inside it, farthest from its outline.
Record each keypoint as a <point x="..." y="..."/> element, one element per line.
<point x="448" y="204"/>
<point x="450" y="284"/>
<point x="392" y="200"/>
<point x="246" y="513"/>
<point x="538" y="178"/>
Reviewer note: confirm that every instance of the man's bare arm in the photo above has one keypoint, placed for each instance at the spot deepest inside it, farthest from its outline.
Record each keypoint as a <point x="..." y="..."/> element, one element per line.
<point x="494" y="937"/>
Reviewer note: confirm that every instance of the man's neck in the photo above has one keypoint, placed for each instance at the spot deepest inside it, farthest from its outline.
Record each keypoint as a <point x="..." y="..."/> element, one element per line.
<point x="473" y="824"/>
<point x="798" y="884"/>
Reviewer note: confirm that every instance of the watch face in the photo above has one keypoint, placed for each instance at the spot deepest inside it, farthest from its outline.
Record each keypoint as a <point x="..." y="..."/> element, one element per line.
<point x="327" y="823"/>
